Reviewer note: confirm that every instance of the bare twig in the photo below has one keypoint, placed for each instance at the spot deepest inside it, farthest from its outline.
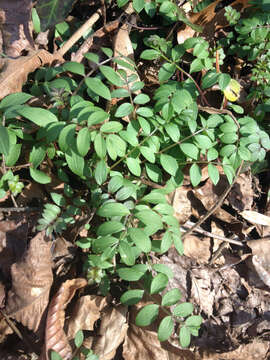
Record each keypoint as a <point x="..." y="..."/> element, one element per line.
<point x="111" y="26"/>
<point x="190" y="224"/>
<point x="215" y="206"/>
<point x="11" y="324"/>
<point x="19" y="209"/>
<point x="79" y="33"/>
<point x="212" y="110"/>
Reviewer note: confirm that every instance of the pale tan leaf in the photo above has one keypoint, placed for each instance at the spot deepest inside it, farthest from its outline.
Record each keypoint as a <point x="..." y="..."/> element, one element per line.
<point x="55" y="337"/>
<point x="197" y="248"/>
<point x="255" y="218"/>
<point x="31" y="282"/>
<point x="86" y="312"/>
<point x="112" y="332"/>
<point x="264" y="275"/>
<point x="123" y="48"/>
<point x="180" y="203"/>
<point x="15" y="71"/>
<point x="261" y="259"/>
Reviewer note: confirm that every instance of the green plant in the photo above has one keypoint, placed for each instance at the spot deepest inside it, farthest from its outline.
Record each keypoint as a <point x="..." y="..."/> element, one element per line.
<point x="109" y="165"/>
<point x="252" y="45"/>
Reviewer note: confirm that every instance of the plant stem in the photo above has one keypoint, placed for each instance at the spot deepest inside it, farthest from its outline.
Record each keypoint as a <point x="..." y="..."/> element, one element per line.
<point x="131" y="151"/>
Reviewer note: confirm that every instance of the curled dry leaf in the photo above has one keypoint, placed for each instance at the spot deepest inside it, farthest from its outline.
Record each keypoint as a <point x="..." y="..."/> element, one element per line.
<point x="31" y="282"/>
<point x="55" y="337"/>
<point x="15" y="71"/>
<point x="86" y="312"/>
<point x="112" y="332"/>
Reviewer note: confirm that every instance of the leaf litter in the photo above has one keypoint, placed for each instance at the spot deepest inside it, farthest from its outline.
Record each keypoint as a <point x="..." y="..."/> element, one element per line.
<point x="230" y="290"/>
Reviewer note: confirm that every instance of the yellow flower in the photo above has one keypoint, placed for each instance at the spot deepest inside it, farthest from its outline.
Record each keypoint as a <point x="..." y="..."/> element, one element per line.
<point x="232" y="91"/>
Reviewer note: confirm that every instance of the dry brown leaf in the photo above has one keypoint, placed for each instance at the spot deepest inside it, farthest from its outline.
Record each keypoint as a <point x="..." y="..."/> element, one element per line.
<point x="31" y="282"/>
<point x="197" y="248"/>
<point x="209" y="19"/>
<point x="256" y="350"/>
<point x="112" y="332"/>
<point x="208" y="195"/>
<point x="14" y="20"/>
<point x="13" y="238"/>
<point x="261" y="259"/>
<point x="55" y="337"/>
<point x="5" y="330"/>
<point x="29" y="192"/>
<point x="142" y="343"/>
<point x="63" y="254"/>
<point x="15" y="71"/>
<point x="86" y="312"/>
<point x="241" y="196"/>
<point x="180" y="203"/>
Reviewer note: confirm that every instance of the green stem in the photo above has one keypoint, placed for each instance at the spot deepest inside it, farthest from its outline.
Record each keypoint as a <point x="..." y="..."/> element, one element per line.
<point x="131" y="151"/>
<point x="188" y="75"/>
<point x="180" y="141"/>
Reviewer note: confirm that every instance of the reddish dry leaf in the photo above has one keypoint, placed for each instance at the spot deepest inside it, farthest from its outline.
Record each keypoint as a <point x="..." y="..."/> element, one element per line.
<point x="55" y="337"/>
<point x="31" y="282"/>
<point x="86" y="312"/>
<point x="112" y="332"/>
<point x="15" y="71"/>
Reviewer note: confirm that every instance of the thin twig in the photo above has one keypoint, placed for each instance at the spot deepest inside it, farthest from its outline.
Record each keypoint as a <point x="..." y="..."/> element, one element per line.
<point x="79" y="33"/>
<point x="111" y="26"/>
<point x="11" y="324"/>
<point x="190" y="224"/>
<point x="215" y="206"/>
<point x="19" y="209"/>
<point x="212" y="110"/>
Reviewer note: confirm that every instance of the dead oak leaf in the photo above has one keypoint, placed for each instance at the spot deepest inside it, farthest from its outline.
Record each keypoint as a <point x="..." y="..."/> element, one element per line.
<point x="31" y="282"/>
<point x="86" y="312"/>
<point x="112" y="332"/>
<point x="15" y="71"/>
